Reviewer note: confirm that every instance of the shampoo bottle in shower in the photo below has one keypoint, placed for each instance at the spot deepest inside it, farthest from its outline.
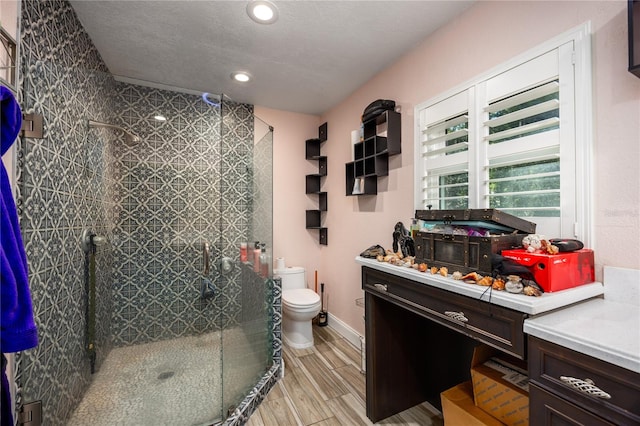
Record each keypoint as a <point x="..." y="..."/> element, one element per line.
<point x="264" y="262"/>
<point x="243" y="252"/>
<point x="256" y="257"/>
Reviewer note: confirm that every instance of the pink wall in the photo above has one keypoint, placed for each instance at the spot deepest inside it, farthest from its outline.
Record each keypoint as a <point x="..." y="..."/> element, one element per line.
<point x="291" y="240"/>
<point x="457" y="52"/>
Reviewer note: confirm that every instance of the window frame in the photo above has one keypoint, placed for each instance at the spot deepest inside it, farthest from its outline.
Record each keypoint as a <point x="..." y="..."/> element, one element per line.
<point x="579" y="137"/>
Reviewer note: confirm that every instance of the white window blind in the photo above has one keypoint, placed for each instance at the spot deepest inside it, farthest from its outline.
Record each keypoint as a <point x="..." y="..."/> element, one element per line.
<point x="445" y="152"/>
<point x="522" y="139"/>
<point x="507" y="140"/>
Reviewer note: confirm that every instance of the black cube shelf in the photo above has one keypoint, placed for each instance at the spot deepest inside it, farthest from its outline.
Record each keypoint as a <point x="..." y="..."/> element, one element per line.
<point x="313" y="183"/>
<point x="382" y="139"/>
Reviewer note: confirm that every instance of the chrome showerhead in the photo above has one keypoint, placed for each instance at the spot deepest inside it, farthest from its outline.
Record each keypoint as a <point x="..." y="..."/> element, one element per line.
<point x="130" y="138"/>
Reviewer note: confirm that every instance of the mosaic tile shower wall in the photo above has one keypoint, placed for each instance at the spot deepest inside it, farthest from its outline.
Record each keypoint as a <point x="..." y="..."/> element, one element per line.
<point x="62" y="184"/>
<point x="177" y="191"/>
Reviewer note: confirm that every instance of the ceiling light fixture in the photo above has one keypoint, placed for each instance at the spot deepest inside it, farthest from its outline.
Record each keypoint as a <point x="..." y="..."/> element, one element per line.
<point x="241" y="76"/>
<point x="262" y="11"/>
<point x="160" y="117"/>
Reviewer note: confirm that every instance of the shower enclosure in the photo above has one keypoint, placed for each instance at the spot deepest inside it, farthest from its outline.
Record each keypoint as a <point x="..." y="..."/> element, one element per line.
<point x="158" y="304"/>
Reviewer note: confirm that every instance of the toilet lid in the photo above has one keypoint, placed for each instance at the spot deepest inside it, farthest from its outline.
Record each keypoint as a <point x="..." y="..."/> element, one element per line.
<point x="300" y="297"/>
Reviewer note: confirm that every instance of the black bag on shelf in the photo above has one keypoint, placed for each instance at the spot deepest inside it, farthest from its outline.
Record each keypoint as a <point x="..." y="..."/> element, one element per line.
<point x="376" y="108"/>
<point x="565" y="245"/>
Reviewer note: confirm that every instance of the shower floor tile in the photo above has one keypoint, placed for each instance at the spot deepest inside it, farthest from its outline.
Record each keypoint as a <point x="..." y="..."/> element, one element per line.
<point x="173" y="382"/>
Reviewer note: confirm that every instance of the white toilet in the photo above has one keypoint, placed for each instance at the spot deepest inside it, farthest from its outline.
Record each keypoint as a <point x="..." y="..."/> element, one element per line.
<point x="299" y="306"/>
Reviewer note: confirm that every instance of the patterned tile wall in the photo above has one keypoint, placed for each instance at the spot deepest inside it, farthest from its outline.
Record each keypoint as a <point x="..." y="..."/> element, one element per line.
<point x="186" y="182"/>
<point x="61" y="182"/>
<point x="181" y="186"/>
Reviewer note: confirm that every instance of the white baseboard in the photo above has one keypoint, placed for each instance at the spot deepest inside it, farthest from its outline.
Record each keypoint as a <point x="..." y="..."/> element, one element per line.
<point x="344" y="330"/>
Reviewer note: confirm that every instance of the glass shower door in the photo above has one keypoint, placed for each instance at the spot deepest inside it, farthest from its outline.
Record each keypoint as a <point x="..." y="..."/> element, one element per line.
<point x="167" y="315"/>
<point x="248" y="189"/>
<point x="155" y="201"/>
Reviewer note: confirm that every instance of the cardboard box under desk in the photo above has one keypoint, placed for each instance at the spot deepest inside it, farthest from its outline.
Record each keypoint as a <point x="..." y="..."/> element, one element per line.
<point x="494" y="375"/>
<point x="458" y="408"/>
<point x="555" y="272"/>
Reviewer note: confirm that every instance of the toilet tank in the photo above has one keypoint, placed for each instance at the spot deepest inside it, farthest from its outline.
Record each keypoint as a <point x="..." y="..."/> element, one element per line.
<point x="292" y="277"/>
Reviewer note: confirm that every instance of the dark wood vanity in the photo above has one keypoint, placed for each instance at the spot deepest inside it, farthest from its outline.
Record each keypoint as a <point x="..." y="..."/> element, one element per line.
<point x="420" y="340"/>
<point x="421" y="332"/>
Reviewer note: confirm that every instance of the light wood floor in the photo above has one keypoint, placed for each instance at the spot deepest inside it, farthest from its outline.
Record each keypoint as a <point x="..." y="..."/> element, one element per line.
<point x="323" y="386"/>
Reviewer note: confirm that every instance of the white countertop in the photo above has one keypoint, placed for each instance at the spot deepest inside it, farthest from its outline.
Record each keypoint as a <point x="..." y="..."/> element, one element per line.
<point x="605" y="328"/>
<point x="518" y="302"/>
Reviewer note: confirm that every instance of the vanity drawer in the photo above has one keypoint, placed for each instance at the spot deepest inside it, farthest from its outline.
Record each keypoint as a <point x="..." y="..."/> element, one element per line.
<point x="614" y="392"/>
<point x="547" y="409"/>
<point x="494" y="325"/>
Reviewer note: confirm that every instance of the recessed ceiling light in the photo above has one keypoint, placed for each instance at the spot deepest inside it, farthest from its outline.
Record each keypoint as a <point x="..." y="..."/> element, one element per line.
<point x="159" y="117"/>
<point x="262" y="11"/>
<point x="241" y="76"/>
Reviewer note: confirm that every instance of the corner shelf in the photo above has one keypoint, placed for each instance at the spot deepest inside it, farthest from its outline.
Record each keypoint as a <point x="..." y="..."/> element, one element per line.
<point x="382" y="139"/>
<point x="313" y="183"/>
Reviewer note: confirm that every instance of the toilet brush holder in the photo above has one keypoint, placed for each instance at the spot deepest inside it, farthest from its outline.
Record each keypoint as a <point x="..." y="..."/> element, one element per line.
<point x="323" y="319"/>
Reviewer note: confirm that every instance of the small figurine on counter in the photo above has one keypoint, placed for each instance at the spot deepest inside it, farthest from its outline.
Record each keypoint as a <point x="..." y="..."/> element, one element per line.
<point x="402" y="240"/>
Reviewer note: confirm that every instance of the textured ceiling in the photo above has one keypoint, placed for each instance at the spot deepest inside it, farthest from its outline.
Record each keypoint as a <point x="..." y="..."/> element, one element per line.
<point x="312" y="58"/>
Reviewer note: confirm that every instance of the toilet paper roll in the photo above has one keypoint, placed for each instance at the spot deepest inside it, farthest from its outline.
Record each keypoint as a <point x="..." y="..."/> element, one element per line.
<point x="280" y="263"/>
<point x="355" y="138"/>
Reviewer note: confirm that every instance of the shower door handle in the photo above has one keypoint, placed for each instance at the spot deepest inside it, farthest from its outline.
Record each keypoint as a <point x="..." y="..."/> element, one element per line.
<point x="205" y="258"/>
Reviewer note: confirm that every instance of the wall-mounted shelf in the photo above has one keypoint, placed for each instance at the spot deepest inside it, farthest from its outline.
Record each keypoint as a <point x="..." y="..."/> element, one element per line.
<point x="633" y="11"/>
<point x="313" y="183"/>
<point x="382" y="139"/>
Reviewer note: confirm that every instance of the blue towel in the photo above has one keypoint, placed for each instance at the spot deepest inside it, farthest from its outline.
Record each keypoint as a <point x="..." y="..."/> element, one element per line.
<point x="10" y="120"/>
<point x="17" y="327"/>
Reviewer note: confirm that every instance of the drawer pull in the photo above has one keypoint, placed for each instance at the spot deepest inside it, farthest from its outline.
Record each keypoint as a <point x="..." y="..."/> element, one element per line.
<point x="381" y="287"/>
<point x="456" y="316"/>
<point x="585" y="386"/>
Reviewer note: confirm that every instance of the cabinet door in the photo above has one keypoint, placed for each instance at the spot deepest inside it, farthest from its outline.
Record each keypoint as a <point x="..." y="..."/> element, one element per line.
<point x="548" y="409"/>
<point x="550" y="363"/>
